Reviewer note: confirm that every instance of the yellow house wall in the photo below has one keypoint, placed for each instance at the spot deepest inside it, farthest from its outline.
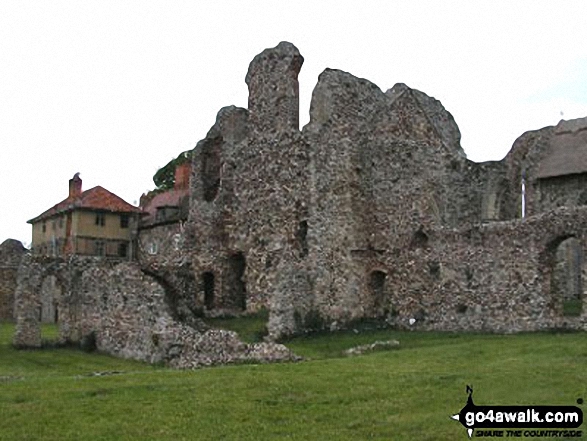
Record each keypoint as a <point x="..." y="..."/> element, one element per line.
<point x="84" y="233"/>
<point x="86" y="226"/>
<point x="55" y="228"/>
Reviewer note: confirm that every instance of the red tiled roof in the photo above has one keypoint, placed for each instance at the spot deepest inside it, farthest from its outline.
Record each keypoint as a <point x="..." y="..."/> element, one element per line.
<point x="171" y="198"/>
<point x="97" y="198"/>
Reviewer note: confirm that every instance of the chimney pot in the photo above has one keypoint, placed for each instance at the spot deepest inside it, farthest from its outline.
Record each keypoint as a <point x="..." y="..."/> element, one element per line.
<point x="75" y="186"/>
<point x="182" y="176"/>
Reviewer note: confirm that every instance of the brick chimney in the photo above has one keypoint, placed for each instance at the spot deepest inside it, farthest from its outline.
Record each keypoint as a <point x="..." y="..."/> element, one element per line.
<point x="182" y="176"/>
<point x="75" y="186"/>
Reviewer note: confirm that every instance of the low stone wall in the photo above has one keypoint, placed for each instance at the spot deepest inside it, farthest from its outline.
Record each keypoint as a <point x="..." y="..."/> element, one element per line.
<point x="127" y="314"/>
<point x="493" y="277"/>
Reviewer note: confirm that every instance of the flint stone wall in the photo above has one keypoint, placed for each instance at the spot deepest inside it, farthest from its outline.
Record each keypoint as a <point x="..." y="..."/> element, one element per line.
<point x="563" y="191"/>
<point x="128" y="315"/>
<point x="372" y="210"/>
<point x="11" y="253"/>
<point x="259" y="206"/>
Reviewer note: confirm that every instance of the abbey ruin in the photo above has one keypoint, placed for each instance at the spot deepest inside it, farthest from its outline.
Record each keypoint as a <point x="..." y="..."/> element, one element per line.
<point x="372" y="210"/>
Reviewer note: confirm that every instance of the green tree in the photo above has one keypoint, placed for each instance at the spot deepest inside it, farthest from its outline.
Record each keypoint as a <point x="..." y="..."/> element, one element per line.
<point x="164" y="178"/>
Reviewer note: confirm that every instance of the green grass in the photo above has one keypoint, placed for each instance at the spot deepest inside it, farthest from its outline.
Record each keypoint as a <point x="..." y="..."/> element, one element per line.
<point x="250" y="328"/>
<point x="404" y="394"/>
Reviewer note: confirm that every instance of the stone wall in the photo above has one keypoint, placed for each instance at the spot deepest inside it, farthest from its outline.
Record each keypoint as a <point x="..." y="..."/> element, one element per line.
<point x="372" y="210"/>
<point x="496" y="277"/>
<point x="250" y="193"/>
<point x="126" y="313"/>
<point x="562" y="191"/>
<point x="11" y="253"/>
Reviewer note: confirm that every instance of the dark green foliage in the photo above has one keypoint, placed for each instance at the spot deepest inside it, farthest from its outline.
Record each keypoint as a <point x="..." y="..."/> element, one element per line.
<point x="164" y="179"/>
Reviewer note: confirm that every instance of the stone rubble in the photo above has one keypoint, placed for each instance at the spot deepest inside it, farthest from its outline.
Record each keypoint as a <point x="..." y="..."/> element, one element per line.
<point x="375" y="346"/>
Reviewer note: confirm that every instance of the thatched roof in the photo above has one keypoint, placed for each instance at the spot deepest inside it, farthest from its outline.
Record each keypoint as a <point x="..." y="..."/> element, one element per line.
<point x="567" y="154"/>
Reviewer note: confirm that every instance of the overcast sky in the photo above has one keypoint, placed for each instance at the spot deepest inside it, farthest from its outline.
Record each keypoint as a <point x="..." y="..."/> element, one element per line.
<point x="116" y="89"/>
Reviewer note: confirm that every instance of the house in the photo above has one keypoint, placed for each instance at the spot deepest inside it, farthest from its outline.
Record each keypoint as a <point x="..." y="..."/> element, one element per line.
<point x="171" y="205"/>
<point x="94" y="222"/>
<point x="164" y="213"/>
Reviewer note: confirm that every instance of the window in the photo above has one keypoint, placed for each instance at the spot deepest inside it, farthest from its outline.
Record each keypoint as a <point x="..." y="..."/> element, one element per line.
<point x="566" y="279"/>
<point x="377" y="288"/>
<point x="100" y="219"/>
<point x="61" y="222"/>
<point x="153" y="248"/>
<point x="208" y="285"/>
<point x="177" y="241"/>
<point x="124" y="221"/>
<point x="122" y="250"/>
<point x="44" y="227"/>
<point x="100" y="248"/>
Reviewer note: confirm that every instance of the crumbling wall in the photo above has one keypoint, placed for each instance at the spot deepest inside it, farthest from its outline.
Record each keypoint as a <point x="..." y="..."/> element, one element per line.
<point x="213" y="220"/>
<point x="562" y="191"/>
<point x="162" y="254"/>
<point x="125" y="312"/>
<point x="493" y="277"/>
<point x="259" y="214"/>
<point x="330" y="224"/>
<point x="11" y="253"/>
<point x="384" y="166"/>
<point x="373" y="210"/>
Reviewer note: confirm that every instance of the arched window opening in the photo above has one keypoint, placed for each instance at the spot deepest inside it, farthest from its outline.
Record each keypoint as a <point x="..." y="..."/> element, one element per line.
<point x="237" y="287"/>
<point x="566" y="282"/>
<point x="50" y="294"/>
<point x="302" y="237"/>
<point x="377" y="288"/>
<point x="208" y="285"/>
<point x="419" y="239"/>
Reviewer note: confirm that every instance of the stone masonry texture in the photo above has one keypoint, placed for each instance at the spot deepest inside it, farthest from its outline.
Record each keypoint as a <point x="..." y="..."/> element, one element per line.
<point x="370" y="211"/>
<point x="373" y="210"/>
<point x="125" y="311"/>
<point x="11" y="253"/>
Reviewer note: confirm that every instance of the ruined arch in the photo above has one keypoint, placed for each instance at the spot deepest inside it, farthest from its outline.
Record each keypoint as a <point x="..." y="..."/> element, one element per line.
<point x="566" y="284"/>
<point x="48" y="290"/>
<point x="51" y="292"/>
<point x="377" y="289"/>
<point x="494" y="201"/>
<point x="175" y="282"/>
<point x="236" y="286"/>
<point x="33" y="276"/>
<point x="209" y="288"/>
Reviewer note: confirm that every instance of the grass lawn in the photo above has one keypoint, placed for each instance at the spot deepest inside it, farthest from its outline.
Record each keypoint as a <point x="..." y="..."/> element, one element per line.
<point x="401" y="394"/>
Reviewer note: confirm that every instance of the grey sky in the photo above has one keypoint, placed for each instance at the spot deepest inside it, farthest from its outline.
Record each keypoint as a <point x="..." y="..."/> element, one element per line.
<point x="116" y="89"/>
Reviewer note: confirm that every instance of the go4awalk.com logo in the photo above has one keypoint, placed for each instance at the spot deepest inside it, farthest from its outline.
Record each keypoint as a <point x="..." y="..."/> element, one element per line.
<point x="520" y="421"/>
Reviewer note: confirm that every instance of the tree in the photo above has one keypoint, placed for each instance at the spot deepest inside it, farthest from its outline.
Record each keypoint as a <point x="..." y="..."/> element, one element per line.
<point x="164" y="179"/>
